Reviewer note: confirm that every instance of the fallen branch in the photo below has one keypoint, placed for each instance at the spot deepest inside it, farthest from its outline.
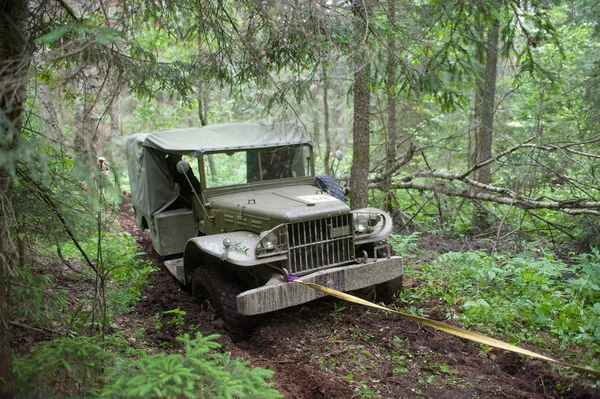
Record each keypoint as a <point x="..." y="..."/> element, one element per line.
<point x="570" y="206"/>
<point x="488" y="192"/>
<point x="14" y="323"/>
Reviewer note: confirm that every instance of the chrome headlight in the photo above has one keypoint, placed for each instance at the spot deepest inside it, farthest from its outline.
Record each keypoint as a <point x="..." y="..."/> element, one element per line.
<point x="367" y="223"/>
<point x="361" y="224"/>
<point x="272" y="242"/>
<point x="370" y="225"/>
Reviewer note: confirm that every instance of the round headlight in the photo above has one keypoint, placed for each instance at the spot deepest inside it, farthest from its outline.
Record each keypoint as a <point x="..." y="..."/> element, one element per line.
<point x="361" y="224"/>
<point x="270" y="241"/>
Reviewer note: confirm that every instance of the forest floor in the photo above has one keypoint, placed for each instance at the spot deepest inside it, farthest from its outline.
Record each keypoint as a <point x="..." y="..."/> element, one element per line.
<point x="332" y="349"/>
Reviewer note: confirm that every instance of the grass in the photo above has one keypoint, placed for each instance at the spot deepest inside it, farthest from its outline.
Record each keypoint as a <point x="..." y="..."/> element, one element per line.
<point x="529" y="297"/>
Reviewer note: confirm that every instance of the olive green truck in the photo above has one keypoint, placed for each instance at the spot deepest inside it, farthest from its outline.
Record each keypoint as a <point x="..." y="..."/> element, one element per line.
<point x="250" y="211"/>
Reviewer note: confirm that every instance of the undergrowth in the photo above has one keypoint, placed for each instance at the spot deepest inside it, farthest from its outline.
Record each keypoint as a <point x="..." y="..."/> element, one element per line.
<point x="106" y="365"/>
<point x="527" y="297"/>
<point x="110" y="368"/>
<point x="79" y="365"/>
<point x="126" y="269"/>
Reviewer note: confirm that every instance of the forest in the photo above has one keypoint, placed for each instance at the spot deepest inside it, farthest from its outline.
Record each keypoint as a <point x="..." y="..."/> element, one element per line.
<point x="473" y="124"/>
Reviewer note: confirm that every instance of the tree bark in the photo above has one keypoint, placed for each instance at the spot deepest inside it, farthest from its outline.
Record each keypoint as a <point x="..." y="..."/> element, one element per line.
<point x="392" y="135"/>
<point x="483" y="141"/>
<point x="13" y="72"/>
<point x="86" y="111"/>
<point x="326" y="135"/>
<point x="6" y="377"/>
<point x="113" y="113"/>
<point x="202" y="96"/>
<point x="362" y="113"/>
<point x="48" y="113"/>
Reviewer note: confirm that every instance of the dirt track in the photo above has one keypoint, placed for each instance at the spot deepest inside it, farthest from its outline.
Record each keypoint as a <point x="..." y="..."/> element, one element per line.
<point x="331" y="349"/>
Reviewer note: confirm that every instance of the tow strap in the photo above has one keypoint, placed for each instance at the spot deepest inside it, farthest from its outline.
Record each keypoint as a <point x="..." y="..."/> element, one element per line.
<point x="459" y="332"/>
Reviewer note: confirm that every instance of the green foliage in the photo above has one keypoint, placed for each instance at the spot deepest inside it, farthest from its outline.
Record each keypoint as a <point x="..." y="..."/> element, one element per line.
<point x="196" y="373"/>
<point x="109" y="367"/>
<point x="524" y="297"/>
<point x="404" y="244"/>
<point x="102" y="35"/>
<point x="69" y="367"/>
<point x="126" y="270"/>
<point x="235" y="247"/>
<point x="52" y="195"/>
<point x="177" y="319"/>
<point x="33" y="297"/>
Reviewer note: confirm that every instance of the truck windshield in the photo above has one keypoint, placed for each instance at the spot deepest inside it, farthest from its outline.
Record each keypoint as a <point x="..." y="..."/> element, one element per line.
<point x="251" y="166"/>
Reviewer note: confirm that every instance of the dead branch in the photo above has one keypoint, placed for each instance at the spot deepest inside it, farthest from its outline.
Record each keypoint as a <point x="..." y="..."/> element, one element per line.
<point x="570" y="206"/>
<point x="402" y="162"/>
<point x="491" y="193"/>
<point x="43" y="329"/>
<point x="50" y="203"/>
<point x="68" y="10"/>
<point x="488" y="161"/>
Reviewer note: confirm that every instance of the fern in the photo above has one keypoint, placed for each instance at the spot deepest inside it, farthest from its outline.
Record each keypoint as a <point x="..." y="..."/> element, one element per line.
<point x="518" y="296"/>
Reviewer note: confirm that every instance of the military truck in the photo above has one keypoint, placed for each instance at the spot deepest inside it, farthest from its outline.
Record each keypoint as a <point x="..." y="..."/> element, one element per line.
<point x="256" y="214"/>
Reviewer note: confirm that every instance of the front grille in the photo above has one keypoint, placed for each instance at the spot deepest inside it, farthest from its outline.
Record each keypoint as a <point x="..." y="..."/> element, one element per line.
<point x="319" y="244"/>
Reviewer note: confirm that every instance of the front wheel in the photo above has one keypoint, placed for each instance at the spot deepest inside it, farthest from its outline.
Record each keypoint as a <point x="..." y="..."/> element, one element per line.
<point x="383" y="292"/>
<point x="213" y="283"/>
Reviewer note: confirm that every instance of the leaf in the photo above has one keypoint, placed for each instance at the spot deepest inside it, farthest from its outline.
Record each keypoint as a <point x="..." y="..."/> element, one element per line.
<point x="52" y="36"/>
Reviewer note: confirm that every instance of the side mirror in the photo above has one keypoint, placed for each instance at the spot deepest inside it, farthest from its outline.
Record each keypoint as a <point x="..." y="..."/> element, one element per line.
<point x="183" y="167"/>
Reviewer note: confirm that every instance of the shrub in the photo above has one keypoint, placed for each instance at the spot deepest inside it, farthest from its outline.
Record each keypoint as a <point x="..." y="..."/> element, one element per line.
<point x="110" y="368"/>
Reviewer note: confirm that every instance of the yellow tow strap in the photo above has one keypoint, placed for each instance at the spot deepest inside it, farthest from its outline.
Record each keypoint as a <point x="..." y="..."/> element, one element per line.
<point x="459" y="332"/>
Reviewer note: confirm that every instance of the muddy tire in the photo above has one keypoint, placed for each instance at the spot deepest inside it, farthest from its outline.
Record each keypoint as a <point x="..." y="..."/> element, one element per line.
<point x="332" y="186"/>
<point x="367" y="293"/>
<point x="213" y="284"/>
<point x="385" y="292"/>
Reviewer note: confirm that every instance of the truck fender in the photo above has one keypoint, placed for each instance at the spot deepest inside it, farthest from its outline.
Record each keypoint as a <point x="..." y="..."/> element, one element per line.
<point x="210" y="249"/>
<point x="383" y="230"/>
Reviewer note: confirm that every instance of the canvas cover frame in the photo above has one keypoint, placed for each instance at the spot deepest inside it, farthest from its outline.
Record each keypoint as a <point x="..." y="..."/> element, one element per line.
<point x="149" y="177"/>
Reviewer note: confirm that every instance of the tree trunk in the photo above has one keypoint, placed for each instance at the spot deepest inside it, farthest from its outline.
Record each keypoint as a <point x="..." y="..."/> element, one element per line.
<point x="483" y="140"/>
<point x="391" y="142"/>
<point x="113" y="113"/>
<point x="48" y="113"/>
<point x="13" y="72"/>
<point x="477" y="100"/>
<point x="6" y="378"/>
<point x="326" y="135"/>
<point x="362" y="113"/>
<point x="86" y="111"/>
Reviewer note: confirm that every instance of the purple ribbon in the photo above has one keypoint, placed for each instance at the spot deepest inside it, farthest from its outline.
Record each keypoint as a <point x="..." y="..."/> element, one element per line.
<point x="290" y="278"/>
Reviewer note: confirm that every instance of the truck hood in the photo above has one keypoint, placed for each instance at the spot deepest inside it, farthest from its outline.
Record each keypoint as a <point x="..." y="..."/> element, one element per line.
<point x="284" y="204"/>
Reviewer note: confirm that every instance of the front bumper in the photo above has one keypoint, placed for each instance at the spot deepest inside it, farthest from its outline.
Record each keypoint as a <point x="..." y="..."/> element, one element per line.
<point x="280" y="295"/>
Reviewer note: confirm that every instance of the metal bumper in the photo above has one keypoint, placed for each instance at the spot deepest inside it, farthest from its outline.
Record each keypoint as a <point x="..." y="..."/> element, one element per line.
<point x="280" y="295"/>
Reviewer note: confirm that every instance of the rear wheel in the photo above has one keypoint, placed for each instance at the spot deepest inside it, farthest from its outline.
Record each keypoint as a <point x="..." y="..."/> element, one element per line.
<point x="212" y="283"/>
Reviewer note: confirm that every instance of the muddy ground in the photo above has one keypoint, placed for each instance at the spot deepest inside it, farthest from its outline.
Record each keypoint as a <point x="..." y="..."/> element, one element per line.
<point x="332" y="349"/>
